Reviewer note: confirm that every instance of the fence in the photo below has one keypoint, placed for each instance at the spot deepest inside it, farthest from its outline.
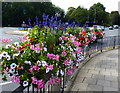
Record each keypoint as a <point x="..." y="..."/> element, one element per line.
<point x="105" y="43"/>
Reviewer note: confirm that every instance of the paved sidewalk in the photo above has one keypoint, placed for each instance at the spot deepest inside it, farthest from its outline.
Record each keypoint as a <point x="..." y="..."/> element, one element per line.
<point x="99" y="74"/>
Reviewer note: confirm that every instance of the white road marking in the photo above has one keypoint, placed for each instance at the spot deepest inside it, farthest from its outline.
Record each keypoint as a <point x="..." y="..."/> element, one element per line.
<point x="5" y="83"/>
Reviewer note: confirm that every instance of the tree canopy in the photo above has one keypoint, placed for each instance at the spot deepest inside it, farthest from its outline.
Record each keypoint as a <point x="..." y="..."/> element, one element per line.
<point x="14" y="13"/>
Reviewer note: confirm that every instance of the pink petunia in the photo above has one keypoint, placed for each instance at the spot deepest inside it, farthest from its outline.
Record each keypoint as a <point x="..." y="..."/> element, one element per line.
<point x="72" y="37"/>
<point x="66" y="61"/>
<point x="56" y="57"/>
<point x="31" y="69"/>
<point x="5" y="40"/>
<point x="76" y="44"/>
<point x="32" y="47"/>
<point x="25" y="37"/>
<point x="34" y="80"/>
<point x="15" y="79"/>
<point x="63" y="54"/>
<point x="40" y="84"/>
<point x="63" y="38"/>
<point x="69" y="72"/>
<point x="50" y="67"/>
<point x="79" y="49"/>
<point x="51" y="81"/>
<point x="57" y="80"/>
<point x="50" y="56"/>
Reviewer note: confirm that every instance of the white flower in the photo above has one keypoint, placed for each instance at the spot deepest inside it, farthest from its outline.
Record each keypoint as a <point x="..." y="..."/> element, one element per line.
<point x="16" y="43"/>
<point x="0" y="56"/>
<point x="25" y="83"/>
<point x="82" y="57"/>
<point x="37" y="51"/>
<point x="77" y="64"/>
<point x="66" y="33"/>
<point x="14" y="55"/>
<point x="27" y="62"/>
<point x="78" y="54"/>
<point x="71" y="49"/>
<point x="57" y="73"/>
<point x="8" y="57"/>
<point x="47" y="70"/>
<point x="4" y="54"/>
<point x="63" y="47"/>
<point x="7" y="46"/>
<point x="12" y="70"/>
<point x="13" y="65"/>
<point x="62" y="42"/>
<point x="44" y="63"/>
<point x="61" y="72"/>
<point x="29" y="29"/>
<point x="38" y="63"/>
<point x="45" y="49"/>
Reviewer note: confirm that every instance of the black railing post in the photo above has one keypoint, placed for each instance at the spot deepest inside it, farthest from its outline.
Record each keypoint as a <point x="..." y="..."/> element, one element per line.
<point x="89" y="51"/>
<point x="114" y="43"/>
<point x="28" y="89"/>
<point x="101" y="44"/>
<point x="32" y="88"/>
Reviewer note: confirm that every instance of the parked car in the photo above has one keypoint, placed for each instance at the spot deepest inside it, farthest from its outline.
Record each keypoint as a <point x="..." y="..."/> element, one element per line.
<point x="102" y="28"/>
<point x="111" y="28"/>
<point x="115" y="26"/>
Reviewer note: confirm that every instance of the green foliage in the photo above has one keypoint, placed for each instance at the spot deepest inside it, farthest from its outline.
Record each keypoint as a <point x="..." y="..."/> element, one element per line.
<point x="14" y="13"/>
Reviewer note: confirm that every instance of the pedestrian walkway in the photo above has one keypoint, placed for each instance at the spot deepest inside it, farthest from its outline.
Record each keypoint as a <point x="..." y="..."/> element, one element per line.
<point x="99" y="74"/>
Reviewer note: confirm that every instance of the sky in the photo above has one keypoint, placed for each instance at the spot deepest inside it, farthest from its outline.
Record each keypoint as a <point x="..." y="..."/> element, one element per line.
<point x="111" y="5"/>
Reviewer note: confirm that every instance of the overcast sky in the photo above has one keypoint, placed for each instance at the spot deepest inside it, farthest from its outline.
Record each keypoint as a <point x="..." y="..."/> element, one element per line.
<point x="111" y="5"/>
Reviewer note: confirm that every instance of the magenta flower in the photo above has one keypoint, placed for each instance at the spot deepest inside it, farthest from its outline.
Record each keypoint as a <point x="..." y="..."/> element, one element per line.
<point x="35" y="67"/>
<point x="63" y="54"/>
<point x="66" y="61"/>
<point x="69" y="72"/>
<point x="50" y="56"/>
<point x="50" y="67"/>
<point x="76" y="44"/>
<point x="56" y="57"/>
<point x="6" y="70"/>
<point x="51" y="81"/>
<point x="63" y="38"/>
<point x="57" y="80"/>
<point x="34" y="80"/>
<point x="5" y="40"/>
<point x="31" y="69"/>
<point x="78" y="49"/>
<point x="40" y="84"/>
<point x="25" y="37"/>
<point x="32" y="47"/>
<point x="15" y="79"/>
<point x="72" y="37"/>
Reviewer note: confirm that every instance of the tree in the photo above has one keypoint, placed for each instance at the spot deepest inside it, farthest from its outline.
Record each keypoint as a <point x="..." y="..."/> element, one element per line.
<point x="114" y="17"/>
<point x="14" y="13"/>
<point x="79" y="14"/>
<point x="69" y="12"/>
<point x="97" y="14"/>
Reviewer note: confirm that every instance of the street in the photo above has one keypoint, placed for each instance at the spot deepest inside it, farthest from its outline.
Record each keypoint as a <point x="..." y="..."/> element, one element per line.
<point x="8" y="86"/>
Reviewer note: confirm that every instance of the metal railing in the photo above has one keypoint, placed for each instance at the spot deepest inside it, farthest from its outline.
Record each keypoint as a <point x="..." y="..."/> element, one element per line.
<point x="105" y="43"/>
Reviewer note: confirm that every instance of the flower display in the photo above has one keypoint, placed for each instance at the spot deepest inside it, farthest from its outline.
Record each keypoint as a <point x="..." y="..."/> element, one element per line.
<point x="44" y="54"/>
